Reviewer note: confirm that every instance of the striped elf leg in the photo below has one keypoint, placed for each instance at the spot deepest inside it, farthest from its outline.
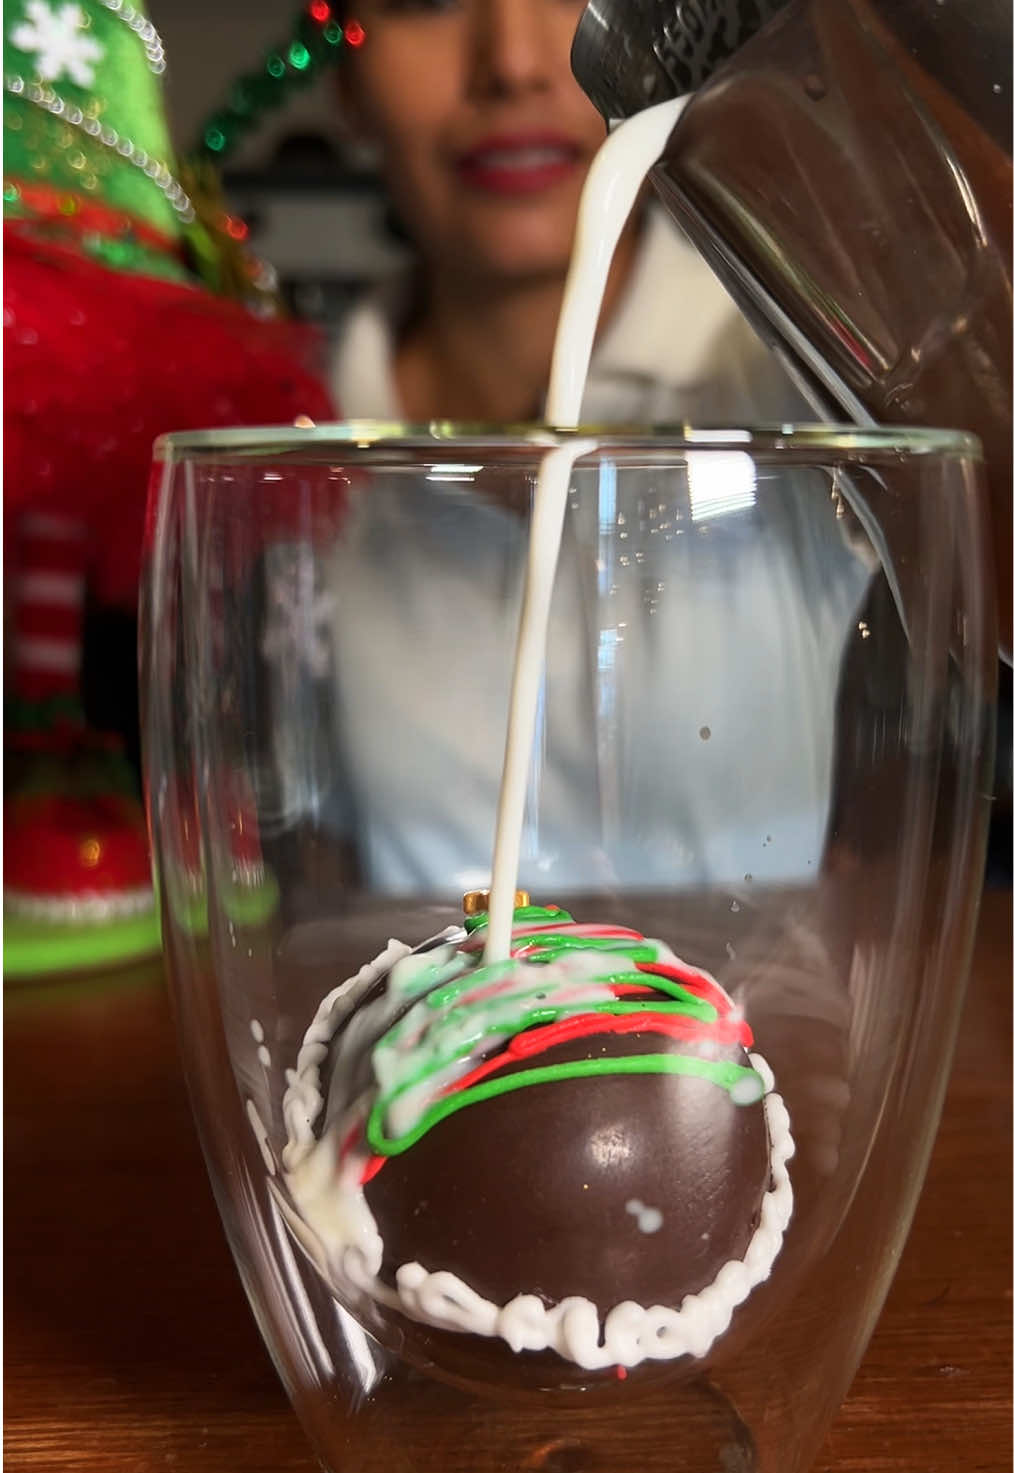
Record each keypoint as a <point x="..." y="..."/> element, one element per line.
<point x="75" y="844"/>
<point x="48" y="609"/>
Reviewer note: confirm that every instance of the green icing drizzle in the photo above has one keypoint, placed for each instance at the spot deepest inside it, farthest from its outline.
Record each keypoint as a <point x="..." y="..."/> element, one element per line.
<point x="523" y="915"/>
<point x="724" y="1074"/>
<point x="458" y="1012"/>
<point x="552" y="945"/>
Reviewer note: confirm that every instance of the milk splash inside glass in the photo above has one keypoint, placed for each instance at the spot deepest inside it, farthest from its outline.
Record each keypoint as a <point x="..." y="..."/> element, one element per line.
<point x="614" y="182"/>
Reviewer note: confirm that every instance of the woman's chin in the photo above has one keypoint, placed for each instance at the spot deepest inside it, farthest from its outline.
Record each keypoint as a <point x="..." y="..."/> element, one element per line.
<point x="513" y="257"/>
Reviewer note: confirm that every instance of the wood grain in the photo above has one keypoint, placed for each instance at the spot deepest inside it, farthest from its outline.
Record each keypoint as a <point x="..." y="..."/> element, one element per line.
<point x="130" y="1348"/>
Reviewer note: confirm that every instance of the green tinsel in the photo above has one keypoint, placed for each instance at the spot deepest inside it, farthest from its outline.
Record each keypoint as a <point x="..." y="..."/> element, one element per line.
<point x="315" y="43"/>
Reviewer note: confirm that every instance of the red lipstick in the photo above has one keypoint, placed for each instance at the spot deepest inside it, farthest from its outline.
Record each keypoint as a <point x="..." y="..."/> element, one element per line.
<point x="518" y="163"/>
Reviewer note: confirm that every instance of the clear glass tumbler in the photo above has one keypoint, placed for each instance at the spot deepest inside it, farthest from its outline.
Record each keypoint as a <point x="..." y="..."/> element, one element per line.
<point x="642" y="1212"/>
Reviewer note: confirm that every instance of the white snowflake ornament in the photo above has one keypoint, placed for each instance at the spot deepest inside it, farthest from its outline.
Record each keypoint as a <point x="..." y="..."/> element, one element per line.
<point x="298" y="620"/>
<point x="57" y="36"/>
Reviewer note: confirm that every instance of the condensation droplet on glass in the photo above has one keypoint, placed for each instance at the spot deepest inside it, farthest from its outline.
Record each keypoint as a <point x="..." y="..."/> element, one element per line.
<point x="730" y="951"/>
<point x="734" y="906"/>
<point x="837" y="499"/>
<point x="705" y="733"/>
<point x="748" y="878"/>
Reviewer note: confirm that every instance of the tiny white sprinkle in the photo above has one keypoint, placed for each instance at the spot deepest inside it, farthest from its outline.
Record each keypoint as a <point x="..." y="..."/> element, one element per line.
<point x="649" y="1219"/>
<point x="257" y="1029"/>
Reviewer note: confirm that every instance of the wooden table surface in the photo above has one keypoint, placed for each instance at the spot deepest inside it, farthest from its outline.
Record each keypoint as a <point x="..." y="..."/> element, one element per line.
<point x="130" y="1347"/>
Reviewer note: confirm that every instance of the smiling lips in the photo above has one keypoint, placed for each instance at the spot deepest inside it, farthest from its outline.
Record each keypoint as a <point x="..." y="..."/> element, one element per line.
<point x="518" y="164"/>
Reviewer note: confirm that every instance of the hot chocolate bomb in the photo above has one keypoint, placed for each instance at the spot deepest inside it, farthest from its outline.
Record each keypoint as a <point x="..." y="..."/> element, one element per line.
<point x="572" y="1153"/>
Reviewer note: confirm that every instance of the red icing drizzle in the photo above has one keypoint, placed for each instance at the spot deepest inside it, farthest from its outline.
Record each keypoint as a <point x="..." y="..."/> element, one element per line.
<point x="695" y="982"/>
<point x="726" y="1030"/>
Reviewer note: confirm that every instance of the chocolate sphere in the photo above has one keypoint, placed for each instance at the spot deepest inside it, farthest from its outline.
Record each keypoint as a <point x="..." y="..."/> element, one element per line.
<point x="549" y="1169"/>
<point x="625" y="1186"/>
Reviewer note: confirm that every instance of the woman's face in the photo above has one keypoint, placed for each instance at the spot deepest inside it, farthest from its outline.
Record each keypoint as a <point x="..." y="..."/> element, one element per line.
<point x="486" y="135"/>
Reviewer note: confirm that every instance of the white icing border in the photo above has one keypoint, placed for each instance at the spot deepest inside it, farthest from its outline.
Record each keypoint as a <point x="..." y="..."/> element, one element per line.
<point x="338" y="1231"/>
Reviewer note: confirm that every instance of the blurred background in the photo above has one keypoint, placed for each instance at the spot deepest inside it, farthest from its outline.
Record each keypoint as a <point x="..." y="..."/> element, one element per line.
<point x="310" y="202"/>
<point x="284" y="225"/>
<point x="313" y="203"/>
<point x="309" y="195"/>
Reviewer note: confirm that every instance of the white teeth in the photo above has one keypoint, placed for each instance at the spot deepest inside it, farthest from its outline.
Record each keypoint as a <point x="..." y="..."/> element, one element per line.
<point x="520" y="158"/>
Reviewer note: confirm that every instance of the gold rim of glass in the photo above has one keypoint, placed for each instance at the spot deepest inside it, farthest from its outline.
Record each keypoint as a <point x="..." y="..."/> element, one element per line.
<point x="380" y="435"/>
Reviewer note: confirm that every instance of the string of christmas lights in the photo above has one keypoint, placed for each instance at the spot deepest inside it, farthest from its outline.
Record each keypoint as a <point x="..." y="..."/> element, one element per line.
<point x="316" y="43"/>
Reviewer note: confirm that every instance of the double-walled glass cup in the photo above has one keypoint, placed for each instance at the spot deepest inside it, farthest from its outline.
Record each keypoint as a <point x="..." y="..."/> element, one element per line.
<point x="642" y="1212"/>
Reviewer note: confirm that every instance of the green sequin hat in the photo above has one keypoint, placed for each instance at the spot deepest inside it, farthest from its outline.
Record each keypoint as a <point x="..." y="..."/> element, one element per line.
<point x="85" y="136"/>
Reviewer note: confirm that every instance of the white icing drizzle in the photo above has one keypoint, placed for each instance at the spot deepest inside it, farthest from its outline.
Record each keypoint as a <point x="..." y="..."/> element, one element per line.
<point x="303" y="1100"/>
<point x="428" y="1035"/>
<point x="339" y="1233"/>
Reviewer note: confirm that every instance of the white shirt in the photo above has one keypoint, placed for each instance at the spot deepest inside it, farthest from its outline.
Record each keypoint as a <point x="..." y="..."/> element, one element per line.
<point x="677" y="349"/>
<point x="687" y="726"/>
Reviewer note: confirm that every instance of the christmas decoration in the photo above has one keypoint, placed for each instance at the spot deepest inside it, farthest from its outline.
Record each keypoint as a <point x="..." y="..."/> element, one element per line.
<point x="316" y="42"/>
<point x="110" y="341"/>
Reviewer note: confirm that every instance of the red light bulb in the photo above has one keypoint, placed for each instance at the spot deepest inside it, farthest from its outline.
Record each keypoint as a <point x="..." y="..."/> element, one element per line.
<point x="354" y="34"/>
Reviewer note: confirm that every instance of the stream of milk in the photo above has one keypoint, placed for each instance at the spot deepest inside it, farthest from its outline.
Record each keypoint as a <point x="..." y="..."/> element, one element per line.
<point x="610" y="193"/>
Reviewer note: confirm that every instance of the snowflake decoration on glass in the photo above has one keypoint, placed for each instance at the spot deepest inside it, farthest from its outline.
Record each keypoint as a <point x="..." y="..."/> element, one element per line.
<point x="297" y="625"/>
<point x="56" y="35"/>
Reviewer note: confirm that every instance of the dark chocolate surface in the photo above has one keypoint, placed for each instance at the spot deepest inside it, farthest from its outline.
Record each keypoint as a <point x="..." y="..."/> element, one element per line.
<point x="528" y="1192"/>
